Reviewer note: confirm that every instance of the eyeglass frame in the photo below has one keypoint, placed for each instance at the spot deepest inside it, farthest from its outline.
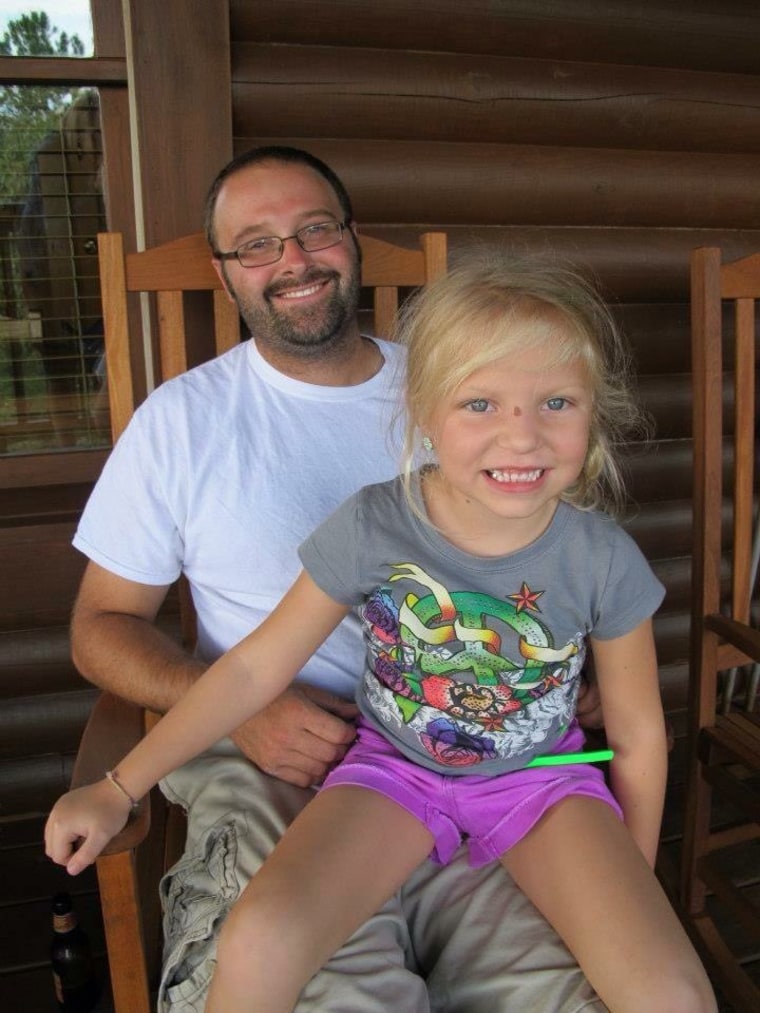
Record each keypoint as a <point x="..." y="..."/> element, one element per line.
<point x="235" y="254"/>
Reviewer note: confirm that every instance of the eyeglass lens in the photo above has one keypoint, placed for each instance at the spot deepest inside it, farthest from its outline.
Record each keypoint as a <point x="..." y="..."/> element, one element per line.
<point x="270" y="248"/>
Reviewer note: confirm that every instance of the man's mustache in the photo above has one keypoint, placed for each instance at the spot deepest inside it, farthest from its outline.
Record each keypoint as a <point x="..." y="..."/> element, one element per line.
<point x="309" y="277"/>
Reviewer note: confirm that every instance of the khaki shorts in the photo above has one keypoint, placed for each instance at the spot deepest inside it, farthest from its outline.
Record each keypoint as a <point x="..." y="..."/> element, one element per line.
<point x="454" y="940"/>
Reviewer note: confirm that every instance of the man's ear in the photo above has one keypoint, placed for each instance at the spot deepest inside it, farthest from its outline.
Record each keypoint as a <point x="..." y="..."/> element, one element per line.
<point x="355" y="235"/>
<point x="219" y="268"/>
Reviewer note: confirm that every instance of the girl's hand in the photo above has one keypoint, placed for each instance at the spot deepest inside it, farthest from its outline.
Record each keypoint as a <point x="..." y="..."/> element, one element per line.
<point x="82" y="823"/>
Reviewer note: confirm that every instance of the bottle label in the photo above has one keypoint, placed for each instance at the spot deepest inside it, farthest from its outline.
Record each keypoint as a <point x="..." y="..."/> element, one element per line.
<point x="65" y="922"/>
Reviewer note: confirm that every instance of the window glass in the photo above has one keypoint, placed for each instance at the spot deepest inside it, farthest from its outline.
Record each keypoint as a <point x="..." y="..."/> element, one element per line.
<point x="51" y="208"/>
<point x="52" y="393"/>
<point x="46" y="28"/>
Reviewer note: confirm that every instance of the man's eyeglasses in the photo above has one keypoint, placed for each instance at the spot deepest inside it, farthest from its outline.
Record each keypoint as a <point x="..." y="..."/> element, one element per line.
<point x="269" y="249"/>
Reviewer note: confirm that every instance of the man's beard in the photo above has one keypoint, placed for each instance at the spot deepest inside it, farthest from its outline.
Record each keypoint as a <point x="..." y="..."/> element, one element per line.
<point x="310" y="331"/>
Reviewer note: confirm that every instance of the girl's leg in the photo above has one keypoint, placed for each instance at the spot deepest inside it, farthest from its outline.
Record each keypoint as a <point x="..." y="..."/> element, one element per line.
<point x="582" y="870"/>
<point x="339" y="861"/>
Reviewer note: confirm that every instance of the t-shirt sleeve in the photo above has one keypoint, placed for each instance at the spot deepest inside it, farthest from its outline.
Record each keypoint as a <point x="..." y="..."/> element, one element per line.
<point x="129" y="526"/>
<point x="632" y="592"/>
<point x="330" y="555"/>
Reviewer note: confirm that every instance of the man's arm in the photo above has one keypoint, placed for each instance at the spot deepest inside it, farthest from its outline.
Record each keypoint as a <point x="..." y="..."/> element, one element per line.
<point x="116" y="645"/>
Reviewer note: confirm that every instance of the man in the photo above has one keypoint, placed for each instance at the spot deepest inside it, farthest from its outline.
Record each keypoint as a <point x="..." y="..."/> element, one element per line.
<point x="220" y="475"/>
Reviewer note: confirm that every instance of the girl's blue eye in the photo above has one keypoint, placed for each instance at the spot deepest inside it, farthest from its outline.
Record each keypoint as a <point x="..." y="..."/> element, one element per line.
<point x="556" y="404"/>
<point x="478" y="404"/>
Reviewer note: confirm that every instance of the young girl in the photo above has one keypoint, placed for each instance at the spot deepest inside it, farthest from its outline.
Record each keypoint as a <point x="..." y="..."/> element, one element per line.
<point x="482" y="579"/>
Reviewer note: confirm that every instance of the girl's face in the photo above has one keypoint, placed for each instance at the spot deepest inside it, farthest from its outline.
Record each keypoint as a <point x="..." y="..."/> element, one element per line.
<point x="510" y="439"/>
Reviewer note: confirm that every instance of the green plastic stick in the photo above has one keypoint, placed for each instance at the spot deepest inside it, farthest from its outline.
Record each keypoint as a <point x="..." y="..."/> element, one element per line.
<point x="558" y="759"/>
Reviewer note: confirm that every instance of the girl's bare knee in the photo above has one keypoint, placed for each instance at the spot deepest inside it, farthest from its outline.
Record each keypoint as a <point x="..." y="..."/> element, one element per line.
<point x="248" y="929"/>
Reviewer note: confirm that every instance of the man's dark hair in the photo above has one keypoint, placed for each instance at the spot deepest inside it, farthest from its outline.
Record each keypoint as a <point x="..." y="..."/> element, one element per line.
<point x="272" y="153"/>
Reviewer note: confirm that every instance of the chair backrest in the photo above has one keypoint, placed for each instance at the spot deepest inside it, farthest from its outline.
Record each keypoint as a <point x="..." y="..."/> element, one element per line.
<point x="724" y="309"/>
<point x="722" y="768"/>
<point x="184" y="265"/>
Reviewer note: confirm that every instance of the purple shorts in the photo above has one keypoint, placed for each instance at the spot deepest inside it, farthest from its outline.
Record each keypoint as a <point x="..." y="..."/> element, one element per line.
<point x="490" y="813"/>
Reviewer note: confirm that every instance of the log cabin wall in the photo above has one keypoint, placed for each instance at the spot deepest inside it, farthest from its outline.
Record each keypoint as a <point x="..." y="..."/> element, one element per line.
<point x="618" y="139"/>
<point x="616" y="135"/>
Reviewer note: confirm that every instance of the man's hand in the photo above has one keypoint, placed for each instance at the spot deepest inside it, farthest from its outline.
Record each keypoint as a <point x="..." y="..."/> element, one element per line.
<point x="589" y="706"/>
<point x="300" y="736"/>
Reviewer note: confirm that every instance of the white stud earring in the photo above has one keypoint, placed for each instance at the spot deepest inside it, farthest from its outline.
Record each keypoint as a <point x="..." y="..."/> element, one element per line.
<point x="427" y="443"/>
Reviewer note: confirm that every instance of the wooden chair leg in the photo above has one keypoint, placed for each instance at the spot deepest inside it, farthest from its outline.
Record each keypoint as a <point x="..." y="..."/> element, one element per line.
<point x="697" y="829"/>
<point x="120" y="903"/>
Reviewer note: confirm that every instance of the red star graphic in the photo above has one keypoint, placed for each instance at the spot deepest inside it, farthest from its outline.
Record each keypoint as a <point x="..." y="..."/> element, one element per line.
<point x="526" y="599"/>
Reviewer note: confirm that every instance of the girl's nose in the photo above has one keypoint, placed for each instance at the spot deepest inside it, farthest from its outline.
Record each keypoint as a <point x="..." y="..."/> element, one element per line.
<point x="518" y="430"/>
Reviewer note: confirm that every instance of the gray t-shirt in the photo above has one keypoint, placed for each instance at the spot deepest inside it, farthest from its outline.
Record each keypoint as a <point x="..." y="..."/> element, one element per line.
<point x="473" y="663"/>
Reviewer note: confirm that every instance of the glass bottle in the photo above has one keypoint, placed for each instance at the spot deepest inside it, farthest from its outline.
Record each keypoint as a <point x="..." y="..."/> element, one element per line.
<point x="76" y="987"/>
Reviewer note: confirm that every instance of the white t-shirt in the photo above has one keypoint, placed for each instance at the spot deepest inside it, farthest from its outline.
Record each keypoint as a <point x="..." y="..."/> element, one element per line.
<point x="223" y="472"/>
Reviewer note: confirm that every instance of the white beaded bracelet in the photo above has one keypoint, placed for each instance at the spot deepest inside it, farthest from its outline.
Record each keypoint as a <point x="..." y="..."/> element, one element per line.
<point x="113" y="777"/>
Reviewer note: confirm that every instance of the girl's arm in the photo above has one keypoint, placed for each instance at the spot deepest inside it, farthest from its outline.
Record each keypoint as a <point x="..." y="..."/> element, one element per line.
<point x="242" y="682"/>
<point x="626" y="669"/>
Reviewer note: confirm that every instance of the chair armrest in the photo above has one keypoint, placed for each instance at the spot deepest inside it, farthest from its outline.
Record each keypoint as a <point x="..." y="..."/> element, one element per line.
<point x="741" y="636"/>
<point x="113" y="728"/>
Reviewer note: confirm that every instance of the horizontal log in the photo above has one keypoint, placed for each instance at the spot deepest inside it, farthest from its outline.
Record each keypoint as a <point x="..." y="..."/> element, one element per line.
<point x="41" y="574"/>
<point x="29" y="504"/>
<point x="31" y="784"/>
<point x="629" y="264"/>
<point x="659" y="472"/>
<point x="662" y="530"/>
<point x="423" y="96"/>
<point x="671" y="633"/>
<point x="499" y="184"/>
<point x="658" y="333"/>
<point x="675" y="574"/>
<point x="47" y="722"/>
<point x="28" y="876"/>
<point x="609" y="31"/>
<point x="36" y="661"/>
<point x="668" y="399"/>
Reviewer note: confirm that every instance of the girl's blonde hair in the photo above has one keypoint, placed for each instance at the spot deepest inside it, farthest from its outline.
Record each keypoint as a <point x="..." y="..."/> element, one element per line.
<point x="490" y="305"/>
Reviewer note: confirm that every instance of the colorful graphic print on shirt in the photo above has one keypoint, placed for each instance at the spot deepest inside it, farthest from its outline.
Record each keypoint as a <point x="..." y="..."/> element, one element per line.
<point x="475" y="677"/>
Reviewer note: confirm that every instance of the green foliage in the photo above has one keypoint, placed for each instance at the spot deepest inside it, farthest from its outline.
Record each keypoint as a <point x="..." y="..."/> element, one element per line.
<point x="29" y="112"/>
<point x="33" y="35"/>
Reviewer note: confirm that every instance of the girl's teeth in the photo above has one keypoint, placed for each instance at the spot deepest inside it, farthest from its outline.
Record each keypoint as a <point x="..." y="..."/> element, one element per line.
<point x="516" y="476"/>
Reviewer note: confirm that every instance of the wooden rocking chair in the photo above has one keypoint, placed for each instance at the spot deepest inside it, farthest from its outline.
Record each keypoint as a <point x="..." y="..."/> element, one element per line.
<point x="170" y="271"/>
<point x="720" y="860"/>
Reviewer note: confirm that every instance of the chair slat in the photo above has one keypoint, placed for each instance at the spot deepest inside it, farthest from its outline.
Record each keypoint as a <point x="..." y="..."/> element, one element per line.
<point x="226" y="323"/>
<point x="171" y="326"/>
<point x="744" y="428"/>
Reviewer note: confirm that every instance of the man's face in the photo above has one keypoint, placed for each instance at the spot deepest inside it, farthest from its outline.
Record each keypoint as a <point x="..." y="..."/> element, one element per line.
<point x="304" y="304"/>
